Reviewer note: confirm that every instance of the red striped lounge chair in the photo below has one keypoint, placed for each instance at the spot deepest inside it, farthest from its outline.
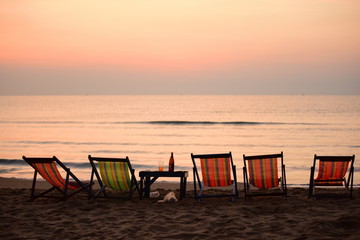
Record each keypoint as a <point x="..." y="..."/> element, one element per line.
<point x="217" y="170"/>
<point x="332" y="172"/>
<point x="47" y="168"/>
<point x="262" y="172"/>
<point x="115" y="175"/>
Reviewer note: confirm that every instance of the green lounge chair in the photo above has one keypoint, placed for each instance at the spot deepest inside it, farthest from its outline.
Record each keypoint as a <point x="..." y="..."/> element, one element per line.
<point x="116" y="174"/>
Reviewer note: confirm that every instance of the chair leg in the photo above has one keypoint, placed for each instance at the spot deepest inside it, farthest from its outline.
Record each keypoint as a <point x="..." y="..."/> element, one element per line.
<point x="351" y="181"/>
<point x="235" y="182"/>
<point x="201" y="191"/>
<point x="311" y="182"/>
<point x="33" y="186"/>
<point x="284" y="181"/>
<point x="234" y="192"/>
<point x="139" y="191"/>
<point x="311" y="189"/>
<point x="194" y="183"/>
<point x="91" y="184"/>
<point x="245" y="182"/>
<point x="66" y="186"/>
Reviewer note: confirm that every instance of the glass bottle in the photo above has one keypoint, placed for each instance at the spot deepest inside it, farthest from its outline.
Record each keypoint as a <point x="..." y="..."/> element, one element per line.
<point x="171" y="163"/>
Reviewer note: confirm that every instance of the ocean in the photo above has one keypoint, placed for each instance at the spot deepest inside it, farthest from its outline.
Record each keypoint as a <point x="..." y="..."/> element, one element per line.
<point x="148" y="128"/>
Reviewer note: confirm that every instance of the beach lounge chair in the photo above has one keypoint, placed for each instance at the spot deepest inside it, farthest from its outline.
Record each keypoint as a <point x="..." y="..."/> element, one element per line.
<point x="262" y="172"/>
<point x="47" y="168"/>
<point x="116" y="174"/>
<point x="217" y="170"/>
<point x="332" y="172"/>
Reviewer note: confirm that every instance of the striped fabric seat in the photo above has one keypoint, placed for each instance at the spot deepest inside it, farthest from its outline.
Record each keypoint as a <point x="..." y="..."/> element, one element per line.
<point x="115" y="175"/>
<point x="216" y="172"/>
<point x="263" y="173"/>
<point x="331" y="173"/>
<point x="51" y="174"/>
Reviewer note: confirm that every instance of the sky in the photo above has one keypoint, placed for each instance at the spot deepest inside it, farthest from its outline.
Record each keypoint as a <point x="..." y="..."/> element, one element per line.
<point x="76" y="47"/>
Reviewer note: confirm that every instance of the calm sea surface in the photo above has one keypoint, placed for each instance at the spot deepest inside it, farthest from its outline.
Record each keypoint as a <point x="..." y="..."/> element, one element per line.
<point x="148" y="128"/>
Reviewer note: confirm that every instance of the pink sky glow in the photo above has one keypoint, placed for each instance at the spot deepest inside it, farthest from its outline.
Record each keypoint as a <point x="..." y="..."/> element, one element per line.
<point x="179" y="37"/>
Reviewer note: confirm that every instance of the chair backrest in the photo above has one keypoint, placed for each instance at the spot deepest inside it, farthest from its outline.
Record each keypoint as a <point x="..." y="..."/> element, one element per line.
<point x="332" y="168"/>
<point x="263" y="170"/>
<point x="215" y="169"/>
<point x="115" y="172"/>
<point x="47" y="168"/>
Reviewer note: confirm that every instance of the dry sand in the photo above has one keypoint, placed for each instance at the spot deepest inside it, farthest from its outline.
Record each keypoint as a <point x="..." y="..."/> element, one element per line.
<point x="294" y="217"/>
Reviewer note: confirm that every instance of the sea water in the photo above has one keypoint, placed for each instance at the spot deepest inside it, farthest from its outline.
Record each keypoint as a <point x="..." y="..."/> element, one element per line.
<point x="148" y="128"/>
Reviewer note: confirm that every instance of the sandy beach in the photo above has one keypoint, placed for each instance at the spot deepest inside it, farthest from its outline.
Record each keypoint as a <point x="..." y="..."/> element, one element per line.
<point x="294" y="217"/>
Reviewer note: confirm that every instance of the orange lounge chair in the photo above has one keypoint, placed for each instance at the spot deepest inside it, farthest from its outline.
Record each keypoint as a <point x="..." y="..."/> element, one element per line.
<point x="262" y="172"/>
<point x="116" y="174"/>
<point x="331" y="173"/>
<point x="47" y="168"/>
<point x="217" y="170"/>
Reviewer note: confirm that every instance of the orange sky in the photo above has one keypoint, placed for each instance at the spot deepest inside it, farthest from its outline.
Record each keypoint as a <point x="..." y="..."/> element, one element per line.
<point x="179" y="36"/>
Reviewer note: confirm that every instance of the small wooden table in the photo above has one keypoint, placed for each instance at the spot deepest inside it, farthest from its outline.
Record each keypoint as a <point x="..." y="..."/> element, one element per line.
<point x="149" y="177"/>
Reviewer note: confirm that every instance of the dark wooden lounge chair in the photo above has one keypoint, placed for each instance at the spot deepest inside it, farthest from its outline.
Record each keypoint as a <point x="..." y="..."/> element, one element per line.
<point x="47" y="168"/>
<point x="262" y="172"/>
<point x="332" y="172"/>
<point x="217" y="170"/>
